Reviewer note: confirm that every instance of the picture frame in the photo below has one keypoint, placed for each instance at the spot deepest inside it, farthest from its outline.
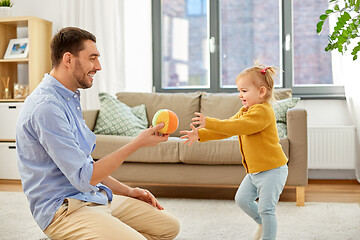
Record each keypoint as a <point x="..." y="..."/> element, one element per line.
<point x="17" y="48"/>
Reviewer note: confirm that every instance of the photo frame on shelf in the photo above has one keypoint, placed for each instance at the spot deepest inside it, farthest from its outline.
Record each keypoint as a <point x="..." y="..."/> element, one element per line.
<point x="17" y="48"/>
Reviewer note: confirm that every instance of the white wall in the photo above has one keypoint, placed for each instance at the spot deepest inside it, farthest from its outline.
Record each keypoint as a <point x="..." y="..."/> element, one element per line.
<point x="46" y="9"/>
<point x="326" y="112"/>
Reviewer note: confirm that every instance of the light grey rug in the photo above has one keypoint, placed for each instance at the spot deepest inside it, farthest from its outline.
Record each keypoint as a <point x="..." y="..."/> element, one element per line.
<point x="212" y="220"/>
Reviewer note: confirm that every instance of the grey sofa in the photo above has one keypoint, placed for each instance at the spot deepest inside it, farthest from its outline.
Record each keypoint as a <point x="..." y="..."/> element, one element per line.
<point x="214" y="163"/>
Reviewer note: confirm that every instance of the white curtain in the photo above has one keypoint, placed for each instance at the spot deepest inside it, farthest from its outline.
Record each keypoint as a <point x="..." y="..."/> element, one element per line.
<point x="345" y="70"/>
<point x="105" y="21"/>
<point x="350" y="75"/>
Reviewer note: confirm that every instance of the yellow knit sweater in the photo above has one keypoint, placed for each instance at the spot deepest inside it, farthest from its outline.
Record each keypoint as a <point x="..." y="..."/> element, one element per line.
<point x="258" y="137"/>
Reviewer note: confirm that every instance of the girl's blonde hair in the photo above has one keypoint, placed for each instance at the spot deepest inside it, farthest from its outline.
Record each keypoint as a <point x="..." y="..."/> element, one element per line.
<point x="262" y="75"/>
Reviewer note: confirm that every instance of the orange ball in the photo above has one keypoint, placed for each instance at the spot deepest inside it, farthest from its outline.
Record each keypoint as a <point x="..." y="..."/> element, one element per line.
<point x="169" y="118"/>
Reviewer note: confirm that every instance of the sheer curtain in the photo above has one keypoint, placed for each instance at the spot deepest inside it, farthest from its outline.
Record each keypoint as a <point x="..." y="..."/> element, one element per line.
<point x="345" y="70"/>
<point x="351" y="79"/>
<point x="105" y="20"/>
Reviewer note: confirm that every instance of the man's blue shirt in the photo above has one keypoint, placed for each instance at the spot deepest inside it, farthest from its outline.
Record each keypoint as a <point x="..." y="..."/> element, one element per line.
<point x="53" y="147"/>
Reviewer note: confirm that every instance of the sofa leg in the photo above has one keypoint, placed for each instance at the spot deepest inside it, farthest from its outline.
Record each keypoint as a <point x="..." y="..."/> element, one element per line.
<point x="300" y="196"/>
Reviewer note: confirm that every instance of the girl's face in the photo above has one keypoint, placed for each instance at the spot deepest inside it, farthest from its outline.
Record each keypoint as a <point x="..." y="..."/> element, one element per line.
<point x="249" y="94"/>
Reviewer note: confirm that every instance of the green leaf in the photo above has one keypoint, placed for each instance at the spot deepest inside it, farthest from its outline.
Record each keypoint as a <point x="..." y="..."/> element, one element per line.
<point x="323" y="17"/>
<point x="357" y="5"/>
<point x="329" y="11"/>
<point x="346" y="16"/>
<point x="319" y="26"/>
<point x="357" y="48"/>
<point x="346" y="27"/>
<point x="341" y="21"/>
<point x="341" y="39"/>
<point x="329" y="39"/>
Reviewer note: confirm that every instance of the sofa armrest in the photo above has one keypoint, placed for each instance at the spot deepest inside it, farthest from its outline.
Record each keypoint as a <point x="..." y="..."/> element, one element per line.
<point x="90" y="117"/>
<point x="297" y="135"/>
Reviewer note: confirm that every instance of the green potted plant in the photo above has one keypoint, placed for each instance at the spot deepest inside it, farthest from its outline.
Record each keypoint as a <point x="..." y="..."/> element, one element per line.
<point x="346" y="30"/>
<point x="5" y="8"/>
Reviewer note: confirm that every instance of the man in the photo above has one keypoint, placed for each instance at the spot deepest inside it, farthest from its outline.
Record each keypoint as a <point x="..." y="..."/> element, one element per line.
<point x="70" y="195"/>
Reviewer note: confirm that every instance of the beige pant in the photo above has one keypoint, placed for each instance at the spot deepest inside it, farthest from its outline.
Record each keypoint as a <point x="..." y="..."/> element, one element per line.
<point x="124" y="218"/>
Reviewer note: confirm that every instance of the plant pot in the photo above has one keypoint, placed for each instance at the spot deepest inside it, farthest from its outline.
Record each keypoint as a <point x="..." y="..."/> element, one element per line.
<point x="5" y="12"/>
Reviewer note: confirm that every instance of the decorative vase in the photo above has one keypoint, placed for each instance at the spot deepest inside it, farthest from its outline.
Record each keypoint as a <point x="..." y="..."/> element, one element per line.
<point x="5" y="12"/>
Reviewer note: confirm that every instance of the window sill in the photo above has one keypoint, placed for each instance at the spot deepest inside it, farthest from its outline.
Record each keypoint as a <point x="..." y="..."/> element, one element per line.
<point x="320" y="97"/>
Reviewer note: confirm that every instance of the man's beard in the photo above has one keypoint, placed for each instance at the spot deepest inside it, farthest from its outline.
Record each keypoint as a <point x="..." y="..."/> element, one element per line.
<point x="80" y="76"/>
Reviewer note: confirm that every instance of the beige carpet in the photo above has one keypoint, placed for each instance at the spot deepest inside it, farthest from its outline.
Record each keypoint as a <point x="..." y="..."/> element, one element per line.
<point x="212" y="220"/>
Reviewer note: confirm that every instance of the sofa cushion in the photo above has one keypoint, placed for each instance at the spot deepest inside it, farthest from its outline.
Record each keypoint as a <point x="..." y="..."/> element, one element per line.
<point x="213" y="152"/>
<point x="217" y="152"/>
<point x="281" y="129"/>
<point x="282" y="106"/>
<point x="282" y="93"/>
<point x="116" y="118"/>
<point x="166" y="152"/>
<point x="140" y="112"/>
<point x="183" y="104"/>
<point x="219" y="105"/>
<point x="90" y="117"/>
<point x="225" y="105"/>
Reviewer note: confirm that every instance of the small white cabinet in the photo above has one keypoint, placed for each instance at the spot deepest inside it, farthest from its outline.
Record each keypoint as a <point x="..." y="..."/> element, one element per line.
<point x="9" y="113"/>
<point x="8" y="163"/>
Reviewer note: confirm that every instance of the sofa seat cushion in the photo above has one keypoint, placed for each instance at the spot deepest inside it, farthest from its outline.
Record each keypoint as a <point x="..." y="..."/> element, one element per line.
<point x="217" y="152"/>
<point x="213" y="152"/>
<point x="166" y="152"/>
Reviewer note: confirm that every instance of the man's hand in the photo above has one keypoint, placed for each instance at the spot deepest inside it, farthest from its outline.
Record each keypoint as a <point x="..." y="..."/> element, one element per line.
<point x="146" y="196"/>
<point x="106" y="165"/>
<point x="151" y="136"/>
<point x="199" y="120"/>
<point x="191" y="136"/>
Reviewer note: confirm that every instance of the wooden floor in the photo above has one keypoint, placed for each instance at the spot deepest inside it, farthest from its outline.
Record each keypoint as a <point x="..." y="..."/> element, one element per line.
<point x="343" y="191"/>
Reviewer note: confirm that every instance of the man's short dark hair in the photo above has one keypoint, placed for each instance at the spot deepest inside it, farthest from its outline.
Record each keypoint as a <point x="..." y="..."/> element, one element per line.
<point x="68" y="39"/>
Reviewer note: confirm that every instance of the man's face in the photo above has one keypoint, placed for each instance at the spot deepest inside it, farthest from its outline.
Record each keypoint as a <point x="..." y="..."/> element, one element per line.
<point x="86" y="65"/>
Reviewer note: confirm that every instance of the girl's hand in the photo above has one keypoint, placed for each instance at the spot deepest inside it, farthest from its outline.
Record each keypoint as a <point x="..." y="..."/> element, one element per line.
<point x="191" y="136"/>
<point x="199" y="120"/>
<point x="146" y="196"/>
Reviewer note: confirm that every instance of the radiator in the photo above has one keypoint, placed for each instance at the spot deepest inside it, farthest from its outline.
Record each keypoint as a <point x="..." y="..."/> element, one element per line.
<point x="331" y="147"/>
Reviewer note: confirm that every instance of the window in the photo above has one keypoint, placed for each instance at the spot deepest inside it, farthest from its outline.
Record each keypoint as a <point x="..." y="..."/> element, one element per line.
<point x="312" y="66"/>
<point x="203" y="44"/>
<point x="185" y="51"/>
<point x="248" y="33"/>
